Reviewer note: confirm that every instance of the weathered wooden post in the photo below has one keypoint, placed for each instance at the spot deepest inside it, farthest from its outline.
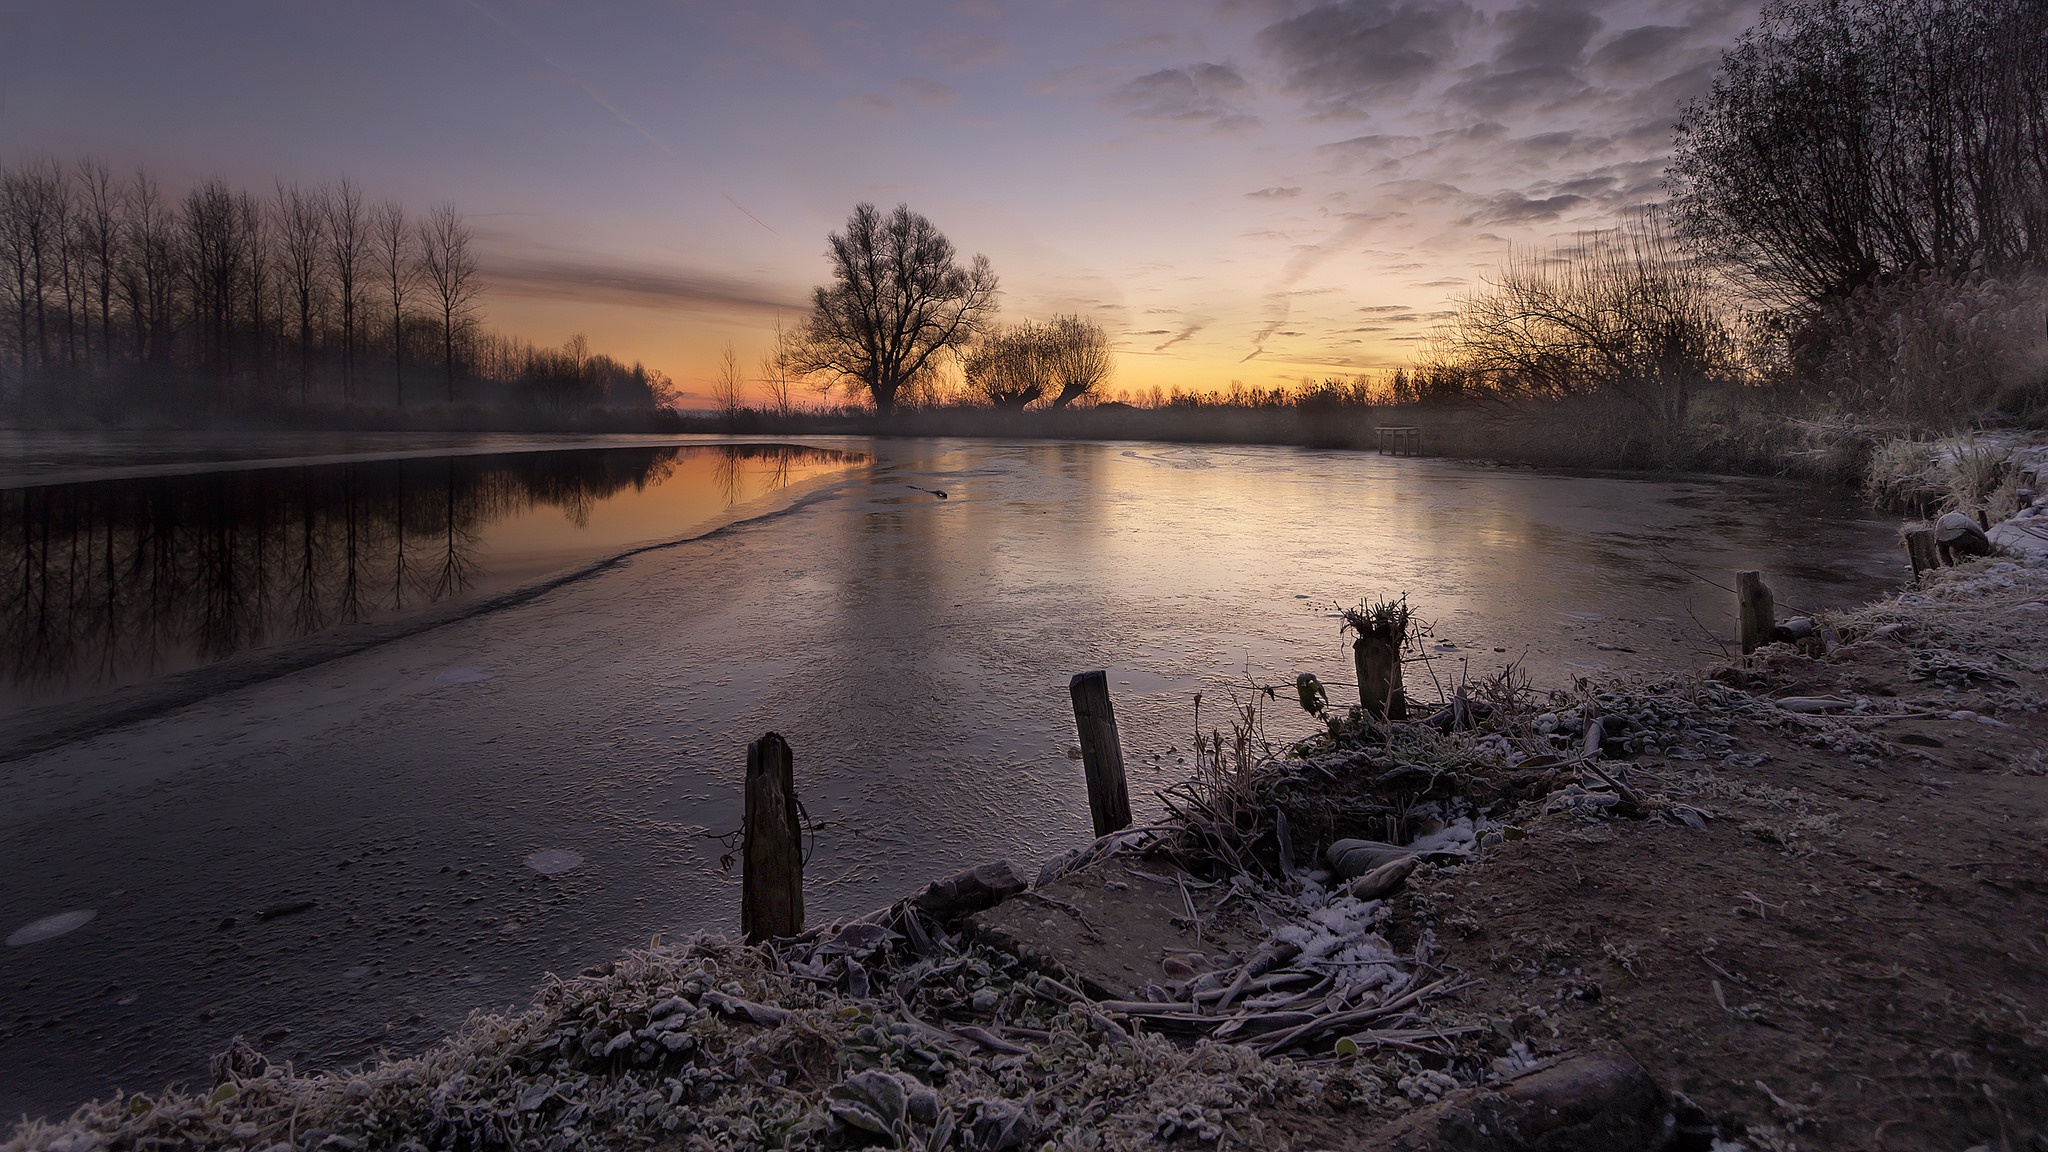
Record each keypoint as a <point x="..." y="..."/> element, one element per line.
<point x="1102" y="754"/>
<point x="772" y="869"/>
<point x="1921" y="552"/>
<point x="1756" y="610"/>
<point x="1377" y="658"/>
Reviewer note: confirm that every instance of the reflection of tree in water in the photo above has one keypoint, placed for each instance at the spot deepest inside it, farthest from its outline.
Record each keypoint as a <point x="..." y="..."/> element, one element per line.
<point x="102" y="579"/>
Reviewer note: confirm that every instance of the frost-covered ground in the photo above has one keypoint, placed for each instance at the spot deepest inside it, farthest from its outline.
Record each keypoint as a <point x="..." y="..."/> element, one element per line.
<point x="342" y="859"/>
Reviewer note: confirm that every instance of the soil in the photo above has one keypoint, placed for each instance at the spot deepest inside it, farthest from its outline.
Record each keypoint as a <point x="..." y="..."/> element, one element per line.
<point x="1854" y="952"/>
<point x="1117" y="926"/>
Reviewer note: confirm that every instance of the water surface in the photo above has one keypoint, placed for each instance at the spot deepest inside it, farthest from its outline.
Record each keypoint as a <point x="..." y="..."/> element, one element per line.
<point x="914" y="650"/>
<point x="112" y="581"/>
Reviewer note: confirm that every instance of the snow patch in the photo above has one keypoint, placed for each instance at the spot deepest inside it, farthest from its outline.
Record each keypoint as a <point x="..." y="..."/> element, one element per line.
<point x="554" y="861"/>
<point x="51" y="927"/>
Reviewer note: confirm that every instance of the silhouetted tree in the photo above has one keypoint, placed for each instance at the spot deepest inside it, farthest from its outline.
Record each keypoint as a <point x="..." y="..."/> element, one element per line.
<point x="392" y="245"/>
<point x="300" y="217"/>
<point x="348" y="243"/>
<point x="1009" y="366"/>
<point x="727" y="385"/>
<point x="1078" y="358"/>
<point x="898" y="302"/>
<point x="1846" y="141"/>
<point x="1619" y="312"/>
<point x="448" y="267"/>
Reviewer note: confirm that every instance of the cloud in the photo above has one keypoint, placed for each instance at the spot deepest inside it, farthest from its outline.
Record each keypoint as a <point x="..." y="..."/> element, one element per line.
<point x="1199" y="93"/>
<point x="640" y="286"/>
<point x="1515" y="208"/>
<point x="1183" y="334"/>
<point x="1638" y="48"/>
<point x="1349" y="55"/>
<point x="1545" y="36"/>
<point x="1273" y="194"/>
<point x="1495" y="93"/>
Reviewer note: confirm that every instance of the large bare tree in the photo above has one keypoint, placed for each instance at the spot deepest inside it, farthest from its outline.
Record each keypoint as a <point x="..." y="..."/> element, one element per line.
<point x="898" y="303"/>
<point x="1008" y="366"/>
<point x="1078" y="359"/>
<point x="1847" y="141"/>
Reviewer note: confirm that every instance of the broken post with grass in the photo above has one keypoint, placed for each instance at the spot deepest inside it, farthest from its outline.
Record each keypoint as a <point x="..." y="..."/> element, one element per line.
<point x="1382" y="628"/>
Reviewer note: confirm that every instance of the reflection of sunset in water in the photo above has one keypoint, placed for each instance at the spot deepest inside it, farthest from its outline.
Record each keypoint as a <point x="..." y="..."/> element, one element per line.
<point x="108" y="582"/>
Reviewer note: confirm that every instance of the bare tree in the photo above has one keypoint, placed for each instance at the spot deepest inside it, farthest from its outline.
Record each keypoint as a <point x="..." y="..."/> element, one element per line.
<point x="1620" y="312"/>
<point x="1078" y="358"/>
<point x="99" y="236"/>
<point x="300" y="220"/>
<point x="155" y="265"/>
<point x="898" y="302"/>
<point x="29" y="245"/>
<point x="392" y="247"/>
<point x="775" y="372"/>
<point x="261" y="263"/>
<point x="215" y="243"/>
<point x="727" y="385"/>
<point x="448" y="267"/>
<point x="1009" y="365"/>
<point x="348" y="244"/>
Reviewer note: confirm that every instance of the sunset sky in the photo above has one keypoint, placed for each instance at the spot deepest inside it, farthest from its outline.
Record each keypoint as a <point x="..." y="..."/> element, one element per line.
<point x="1252" y="189"/>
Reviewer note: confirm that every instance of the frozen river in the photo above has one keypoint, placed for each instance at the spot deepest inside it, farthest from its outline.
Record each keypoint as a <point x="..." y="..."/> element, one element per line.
<point x="915" y="651"/>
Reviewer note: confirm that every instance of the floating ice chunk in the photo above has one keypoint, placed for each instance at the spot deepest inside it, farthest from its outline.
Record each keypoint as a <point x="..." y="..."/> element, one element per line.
<point x="51" y="927"/>
<point x="553" y="861"/>
<point x="463" y="676"/>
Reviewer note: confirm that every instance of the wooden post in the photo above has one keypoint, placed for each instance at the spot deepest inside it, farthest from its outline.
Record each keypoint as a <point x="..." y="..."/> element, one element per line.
<point x="1378" y="661"/>
<point x="1102" y="754"/>
<point x="772" y="875"/>
<point x="1756" y="610"/>
<point x="1921" y="552"/>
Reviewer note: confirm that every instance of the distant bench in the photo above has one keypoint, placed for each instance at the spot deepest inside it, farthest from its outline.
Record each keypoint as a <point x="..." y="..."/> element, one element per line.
<point x="1399" y="439"/>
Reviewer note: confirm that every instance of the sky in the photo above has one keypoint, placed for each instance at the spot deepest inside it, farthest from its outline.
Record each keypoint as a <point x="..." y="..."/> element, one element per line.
<point x="1253" y="190"/>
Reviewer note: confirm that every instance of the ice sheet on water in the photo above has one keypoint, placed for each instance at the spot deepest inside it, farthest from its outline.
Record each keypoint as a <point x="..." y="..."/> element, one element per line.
<point x="463" y="676"/>
<point x="51" y="927"/>
<point x="553" y="861"/>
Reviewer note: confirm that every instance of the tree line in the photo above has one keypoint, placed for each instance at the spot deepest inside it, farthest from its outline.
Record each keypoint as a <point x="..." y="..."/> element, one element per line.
<point x="116" y="294"/>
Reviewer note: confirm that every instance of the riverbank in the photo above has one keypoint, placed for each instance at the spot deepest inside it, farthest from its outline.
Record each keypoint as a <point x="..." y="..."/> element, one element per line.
<point x="1792" y="903"/>
<point x="1730" y="431"/>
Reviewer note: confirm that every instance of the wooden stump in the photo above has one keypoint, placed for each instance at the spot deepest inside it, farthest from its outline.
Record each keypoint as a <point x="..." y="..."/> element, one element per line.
<point x="1756" y="610"/>
<point x="1102" y="754"/>
<point x="772" y="876"/>
<point x="1378" y="661"/>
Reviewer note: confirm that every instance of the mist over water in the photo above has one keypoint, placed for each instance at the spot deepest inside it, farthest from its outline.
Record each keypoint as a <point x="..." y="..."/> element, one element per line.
<point x="534" y="789"/>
